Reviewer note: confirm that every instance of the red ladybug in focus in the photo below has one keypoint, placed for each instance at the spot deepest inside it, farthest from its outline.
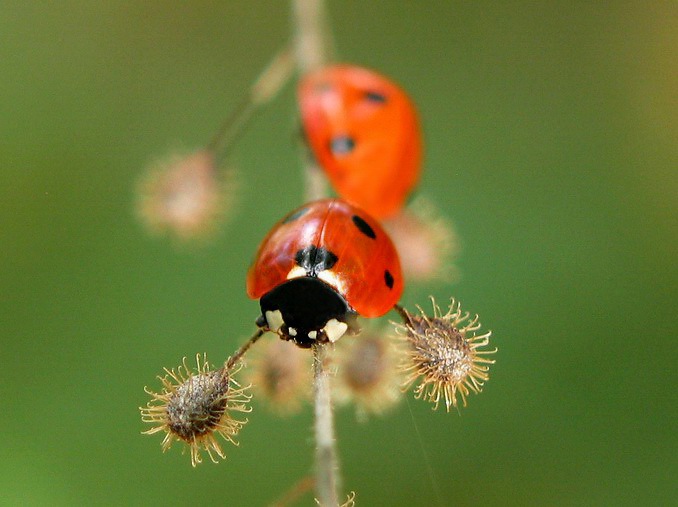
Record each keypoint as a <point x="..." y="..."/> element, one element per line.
<point x="364" y="133"/>
<point x="320" y="267"/>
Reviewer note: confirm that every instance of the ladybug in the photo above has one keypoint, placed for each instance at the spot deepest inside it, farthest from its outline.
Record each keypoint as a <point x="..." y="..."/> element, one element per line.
<point x="364" y="133"/>
<point x="320" y="267"/>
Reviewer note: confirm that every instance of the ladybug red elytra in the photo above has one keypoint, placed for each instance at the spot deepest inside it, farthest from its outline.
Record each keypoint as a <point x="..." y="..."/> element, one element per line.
<point x="320" y="267"/>
<point x="364" y="133"/>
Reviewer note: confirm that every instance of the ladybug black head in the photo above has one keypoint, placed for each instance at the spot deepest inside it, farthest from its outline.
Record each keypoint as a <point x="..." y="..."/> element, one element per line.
<point x="306" y="310"/>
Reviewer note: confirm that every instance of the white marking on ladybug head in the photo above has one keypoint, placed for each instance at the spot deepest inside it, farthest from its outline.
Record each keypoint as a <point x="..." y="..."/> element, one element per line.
<point x="329" y="277"/>
<point x="335" y="329"/>
<point x="313" y="335"/>
<point x="274" y="319"/>
<point x="292" y="332"/>
<point x="296" y="272"/>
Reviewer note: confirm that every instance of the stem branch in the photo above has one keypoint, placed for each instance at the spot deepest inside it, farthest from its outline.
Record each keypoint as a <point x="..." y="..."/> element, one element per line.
<point x="266" y="86"/>
<point x="230" y="362"/>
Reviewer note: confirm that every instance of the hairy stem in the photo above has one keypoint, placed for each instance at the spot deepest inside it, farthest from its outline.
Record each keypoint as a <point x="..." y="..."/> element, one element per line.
<point x="231" y="361"/>
<point x="311" y="46"/>
<point x="326" y="467"/>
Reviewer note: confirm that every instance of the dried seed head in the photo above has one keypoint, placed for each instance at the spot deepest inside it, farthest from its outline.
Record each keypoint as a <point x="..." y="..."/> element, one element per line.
<point x="280" y="372"/>
<point x="195" y="407"/>
<point x="426" y="242"/>
<point x="183" y="196"/>
<point x="444" y="355"/>
<point x="368" y="373"/>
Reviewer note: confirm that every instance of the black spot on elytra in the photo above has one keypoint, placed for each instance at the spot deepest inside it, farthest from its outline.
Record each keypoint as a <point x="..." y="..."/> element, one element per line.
<point x="342" y="145"/>
<point x="314" y="259"/>
<point x="388" y="278"/>
<point x="377" y="97"/>
<point x="295" y="215"/>
<point x="364" y="227"/>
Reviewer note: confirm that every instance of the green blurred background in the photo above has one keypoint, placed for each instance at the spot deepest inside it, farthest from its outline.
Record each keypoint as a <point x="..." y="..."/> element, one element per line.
<point x="551" y="141"/>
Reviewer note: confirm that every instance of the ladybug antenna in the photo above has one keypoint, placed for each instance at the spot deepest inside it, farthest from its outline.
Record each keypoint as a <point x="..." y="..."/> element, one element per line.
<point x="265" y="87"/>
<point x="231" y="361"/>
<point x="404" y="314"/>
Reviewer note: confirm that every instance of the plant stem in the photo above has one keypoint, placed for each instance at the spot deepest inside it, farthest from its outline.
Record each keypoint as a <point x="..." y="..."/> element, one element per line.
<point x="311" y="45"/>
<point x="311" y="41"/>
<point x="267" y="85"/>
<point x="230" y="362"/>
<point x="326" y="466"/>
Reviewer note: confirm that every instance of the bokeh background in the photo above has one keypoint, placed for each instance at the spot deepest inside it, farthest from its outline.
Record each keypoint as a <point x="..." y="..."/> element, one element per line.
<point x="551" y="142"/>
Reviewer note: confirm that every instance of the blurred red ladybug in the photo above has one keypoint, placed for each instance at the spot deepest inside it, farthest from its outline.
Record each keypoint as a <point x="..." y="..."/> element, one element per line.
<point x="319" y="268"/>
<point x="364" y="133"/>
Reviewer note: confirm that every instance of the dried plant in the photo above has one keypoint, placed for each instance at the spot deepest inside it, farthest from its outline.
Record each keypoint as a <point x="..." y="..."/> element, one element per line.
<point x="445" y="355"/>
<point x="368" y="373"/>
<point x="196" y="407"/>
<point x="441" y="355"/>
